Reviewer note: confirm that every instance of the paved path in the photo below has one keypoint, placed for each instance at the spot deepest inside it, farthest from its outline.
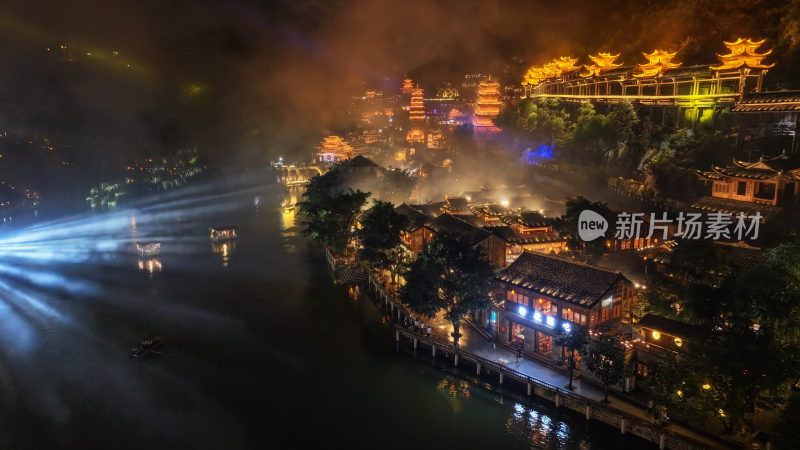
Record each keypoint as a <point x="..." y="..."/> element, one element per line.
<point x="473" y="342"/>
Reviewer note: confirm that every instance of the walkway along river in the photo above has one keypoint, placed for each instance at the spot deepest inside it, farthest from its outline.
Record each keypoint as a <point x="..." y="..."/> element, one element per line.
<point x="628" y="420"/>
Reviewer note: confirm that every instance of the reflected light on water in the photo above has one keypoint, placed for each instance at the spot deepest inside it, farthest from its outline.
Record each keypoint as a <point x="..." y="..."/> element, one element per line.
<point x="224" y="249"/>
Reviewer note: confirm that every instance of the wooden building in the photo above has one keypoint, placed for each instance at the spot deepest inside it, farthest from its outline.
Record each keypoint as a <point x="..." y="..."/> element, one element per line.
<point x="544" y="294"/>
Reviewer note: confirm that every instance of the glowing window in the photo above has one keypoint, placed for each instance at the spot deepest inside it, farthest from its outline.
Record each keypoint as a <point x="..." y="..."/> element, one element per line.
<point x="679" y="342"/>
<point x="656" y="335"/>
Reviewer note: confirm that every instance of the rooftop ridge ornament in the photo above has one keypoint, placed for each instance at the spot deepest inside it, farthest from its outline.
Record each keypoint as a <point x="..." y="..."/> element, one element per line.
<point x="603" y="62"/>
<point x="743" y="52"/>
<point x="555" y="68"/>
<point x="658" y="62"/>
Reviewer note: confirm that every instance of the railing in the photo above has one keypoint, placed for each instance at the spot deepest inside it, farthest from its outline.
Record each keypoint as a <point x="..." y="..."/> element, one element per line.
<point x="626" y="422"/>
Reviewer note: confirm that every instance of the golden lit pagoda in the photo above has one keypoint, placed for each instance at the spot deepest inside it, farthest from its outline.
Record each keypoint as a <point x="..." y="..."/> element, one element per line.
<point x="657" y="63"/>
<point x="416" y="109"/>
<point x="602" y="63"/>
<point x="488" y="104"/>
<point x="333" y="149"/>
<point x="533" y="76"/>
<point x="566" y="64"/>
<point x="743" y="53"/>
<point x="408" y="86"/>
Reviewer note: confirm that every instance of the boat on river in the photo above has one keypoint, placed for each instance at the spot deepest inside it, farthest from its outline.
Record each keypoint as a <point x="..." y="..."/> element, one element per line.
<point x="151" y="344"/>
<point x="222" y="234"/>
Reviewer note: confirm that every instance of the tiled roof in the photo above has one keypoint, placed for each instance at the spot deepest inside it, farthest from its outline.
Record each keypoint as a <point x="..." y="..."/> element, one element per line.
<point x="671" y="327"/>
<point x="415" y="217"/>
<point x="457" y="204"/>
<point x="461" y="229"/>
<point x="769" y="101"/>
<point x="533" y="219"/>
<point x="507" y="234"/>
<point x="578" y="283"/>
<point x="430" y="209"/>
<point x="725" y="205"/>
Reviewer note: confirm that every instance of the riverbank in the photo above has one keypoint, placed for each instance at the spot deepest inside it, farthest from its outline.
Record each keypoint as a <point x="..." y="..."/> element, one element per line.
<point x="497" y="366"/>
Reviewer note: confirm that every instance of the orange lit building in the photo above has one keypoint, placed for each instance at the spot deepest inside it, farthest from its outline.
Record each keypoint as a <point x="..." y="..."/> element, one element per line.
<point x="682" y="95"/>
<point x="416" y="117"/>
<point x="408" y="86"/>
<point x="334" y="149"/>
<point x="487" y="106"/>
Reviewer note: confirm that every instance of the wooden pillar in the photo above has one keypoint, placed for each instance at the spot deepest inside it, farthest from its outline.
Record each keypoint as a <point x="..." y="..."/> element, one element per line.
<point x="455" y="363"/>
<point x="501" y="378"/>
<point x="415" y="342"/>
<point x="397" y="335"/>
<point x="478" y="369"/>
<point x="662" y="441"/>
<point x="558" y="400"/>
<point x="433" y="350"/>
<point x="588" y="411"/>
<point x="530" y="386"/>
<point x="622" y="426"/>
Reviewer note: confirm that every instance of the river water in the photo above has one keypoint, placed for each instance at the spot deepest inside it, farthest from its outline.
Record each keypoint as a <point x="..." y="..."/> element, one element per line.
<point x="262" y="351"/>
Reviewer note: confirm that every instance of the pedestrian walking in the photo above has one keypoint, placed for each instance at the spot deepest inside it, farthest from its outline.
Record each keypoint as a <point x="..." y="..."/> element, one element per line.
<point x="519" y="353"/>
<point x="416" y="324"/>
<point x="429" y="331"/>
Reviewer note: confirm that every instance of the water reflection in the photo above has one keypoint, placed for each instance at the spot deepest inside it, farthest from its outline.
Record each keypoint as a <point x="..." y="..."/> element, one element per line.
<point x="224" y="249"/>
<point x="150" y="265"/>
<point x="541" y="429"/>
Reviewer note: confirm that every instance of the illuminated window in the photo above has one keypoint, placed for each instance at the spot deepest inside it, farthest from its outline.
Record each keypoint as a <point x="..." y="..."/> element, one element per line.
<point x="656" y="335"/>
<point x="679" y="342"/>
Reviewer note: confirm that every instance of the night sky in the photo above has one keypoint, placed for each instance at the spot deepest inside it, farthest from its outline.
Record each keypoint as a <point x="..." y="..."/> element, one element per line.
<point x="265" y="78"/>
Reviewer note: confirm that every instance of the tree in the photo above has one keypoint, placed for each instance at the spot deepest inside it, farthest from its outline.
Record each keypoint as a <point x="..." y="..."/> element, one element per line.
<point x="330" y="218"/>
<point x="606" y="360"/>
<point x="572" y="341"/>
<point x="380" y="236"/>
<point x="451" y="276"/>
<point x="568" y="226"/>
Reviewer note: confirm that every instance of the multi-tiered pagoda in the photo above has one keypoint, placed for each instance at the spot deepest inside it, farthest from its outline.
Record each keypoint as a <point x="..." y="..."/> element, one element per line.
<point x="658" y="62"/>
<point x="602" y="63"/>
<point x="487" y="106"/>
<point x="408" y="86"/>
<point x="416" y="117"/>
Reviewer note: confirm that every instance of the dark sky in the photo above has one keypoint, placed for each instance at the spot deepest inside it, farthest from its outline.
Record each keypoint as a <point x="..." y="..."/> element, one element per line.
<point x="261" y="77"/>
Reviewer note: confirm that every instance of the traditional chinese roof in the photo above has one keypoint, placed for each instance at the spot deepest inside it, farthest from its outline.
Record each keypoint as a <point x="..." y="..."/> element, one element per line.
<point x="743" y="53"/>
<point x="508" y="234"/>
<point x="778" y="168"/>
<point x="578" y="283"/>
<point x="741" y="254"/>
<point x="533" y="219"/>
<point x="430" y="209"/>
<point x="725" y="205"/>
<point x="671" y="327"/>
<point x="416" y="218"/>
<point x="769" y="101"/>
<point x="457" y="204"/>
<point x="657" y="63"/>
<point x="448" y="224"/>
<point x="602" y="63"/>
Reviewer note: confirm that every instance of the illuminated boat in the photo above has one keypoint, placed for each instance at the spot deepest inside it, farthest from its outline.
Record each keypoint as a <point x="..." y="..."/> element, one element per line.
<point x="148" y="345"/>
<point x="288" y="205"/>
<point x="148" y="248"/>
<point x="222" y="234"/>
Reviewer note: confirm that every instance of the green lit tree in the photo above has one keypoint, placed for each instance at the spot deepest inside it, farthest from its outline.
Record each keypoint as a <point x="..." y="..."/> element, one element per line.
<point x="450" y="276"/>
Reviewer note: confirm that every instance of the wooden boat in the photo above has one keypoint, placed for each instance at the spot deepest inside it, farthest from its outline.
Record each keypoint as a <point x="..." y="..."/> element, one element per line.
<point x="222" y="234"/>
<point x="149" y="345"/>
